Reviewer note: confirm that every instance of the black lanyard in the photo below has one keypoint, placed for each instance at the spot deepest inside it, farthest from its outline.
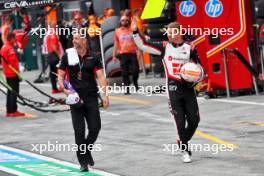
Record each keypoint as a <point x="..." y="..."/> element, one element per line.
<point x="79" y="75"/>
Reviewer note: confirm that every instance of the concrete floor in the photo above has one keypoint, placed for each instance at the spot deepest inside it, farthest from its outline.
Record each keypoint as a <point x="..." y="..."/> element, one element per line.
<point x="136" y="128"/>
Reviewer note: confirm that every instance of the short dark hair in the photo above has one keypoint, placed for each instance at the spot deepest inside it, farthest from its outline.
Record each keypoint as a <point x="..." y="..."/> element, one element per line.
<point x="10" y="36"/>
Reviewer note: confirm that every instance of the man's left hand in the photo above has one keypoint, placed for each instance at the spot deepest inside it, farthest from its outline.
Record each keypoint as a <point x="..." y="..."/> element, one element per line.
<point x="106" y="102"/>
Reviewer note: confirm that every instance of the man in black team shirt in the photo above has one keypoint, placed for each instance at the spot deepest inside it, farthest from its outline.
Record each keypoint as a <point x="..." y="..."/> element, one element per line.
<point x="182" y="99"/>
<point x="81" y="68"/>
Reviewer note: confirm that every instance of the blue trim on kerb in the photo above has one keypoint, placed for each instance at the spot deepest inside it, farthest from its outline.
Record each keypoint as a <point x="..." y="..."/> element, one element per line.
<point x="15" y="157"/>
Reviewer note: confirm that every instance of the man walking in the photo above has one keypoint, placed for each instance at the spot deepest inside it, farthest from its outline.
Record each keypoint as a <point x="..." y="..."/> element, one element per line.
<point x="54" y="50"/>
<point x="182" y="98"/>
<point x="81" y="68"/>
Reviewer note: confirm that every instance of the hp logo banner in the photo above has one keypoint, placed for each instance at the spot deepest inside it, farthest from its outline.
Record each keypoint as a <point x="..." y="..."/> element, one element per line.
<point x="214" y="8"/>
<point x="187" y="8"/>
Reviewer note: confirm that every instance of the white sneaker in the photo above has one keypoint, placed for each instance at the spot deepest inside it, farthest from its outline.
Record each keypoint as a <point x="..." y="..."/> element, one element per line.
<point x="186" y="158"/>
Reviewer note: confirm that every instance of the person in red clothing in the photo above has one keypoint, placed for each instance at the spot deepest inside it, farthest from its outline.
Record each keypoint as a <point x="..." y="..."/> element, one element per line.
<point x="54" y="53"/>
<point x="10" y="57"/>
<point x="6" y="28"/>
<point x="261" y="32"/>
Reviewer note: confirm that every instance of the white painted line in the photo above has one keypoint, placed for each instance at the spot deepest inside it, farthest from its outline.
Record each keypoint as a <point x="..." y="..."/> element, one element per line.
<point x="163" y="120"/>
<point x="110" y="113"/>
<point x="239" y="102"/>
<point x="53" y="160"/>
<point x="232" y="101"/>
<point x="11" y="171"/>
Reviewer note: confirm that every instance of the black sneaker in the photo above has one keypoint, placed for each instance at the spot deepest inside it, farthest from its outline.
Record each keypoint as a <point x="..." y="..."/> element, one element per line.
<point x="90" y="159"/>
<point x="84" y="168"/>
<point x="190" y="152"/>
<point x="137" y="87"/>
<point x="127" y="91"/>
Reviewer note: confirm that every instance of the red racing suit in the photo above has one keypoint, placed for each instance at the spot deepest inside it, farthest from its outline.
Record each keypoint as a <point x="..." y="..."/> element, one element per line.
<point x="9" y="54"/>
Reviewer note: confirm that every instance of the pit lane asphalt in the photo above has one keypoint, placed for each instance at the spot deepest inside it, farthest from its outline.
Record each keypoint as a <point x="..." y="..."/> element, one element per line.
<point x="135" y="129"/>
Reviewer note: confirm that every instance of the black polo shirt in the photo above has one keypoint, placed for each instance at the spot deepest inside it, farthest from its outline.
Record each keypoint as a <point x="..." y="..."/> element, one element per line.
<point x="87" y="86"/>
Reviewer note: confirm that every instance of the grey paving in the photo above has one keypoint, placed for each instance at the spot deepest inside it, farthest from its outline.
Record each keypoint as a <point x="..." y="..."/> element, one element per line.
<point x="133" y="135"/>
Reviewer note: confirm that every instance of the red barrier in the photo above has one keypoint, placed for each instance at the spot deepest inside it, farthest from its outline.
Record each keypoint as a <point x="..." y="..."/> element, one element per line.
<point x="233" y="18"/>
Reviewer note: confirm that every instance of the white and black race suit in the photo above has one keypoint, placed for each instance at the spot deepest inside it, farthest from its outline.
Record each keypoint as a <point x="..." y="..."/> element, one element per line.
<point x="182" y="98"/>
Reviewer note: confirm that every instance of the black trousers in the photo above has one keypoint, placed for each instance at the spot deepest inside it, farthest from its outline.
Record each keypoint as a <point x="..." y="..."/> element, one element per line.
<point x="184" y="108"/>
<point x="53" y="60"/>
<point x="129" y="61"/>
<point x="89" y="113"/>
<point x="11" y="101"/>
<point x="53" y="77"/>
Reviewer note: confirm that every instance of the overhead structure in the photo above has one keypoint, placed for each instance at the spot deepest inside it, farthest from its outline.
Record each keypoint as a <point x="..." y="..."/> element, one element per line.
<point x="14" y="4"/>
